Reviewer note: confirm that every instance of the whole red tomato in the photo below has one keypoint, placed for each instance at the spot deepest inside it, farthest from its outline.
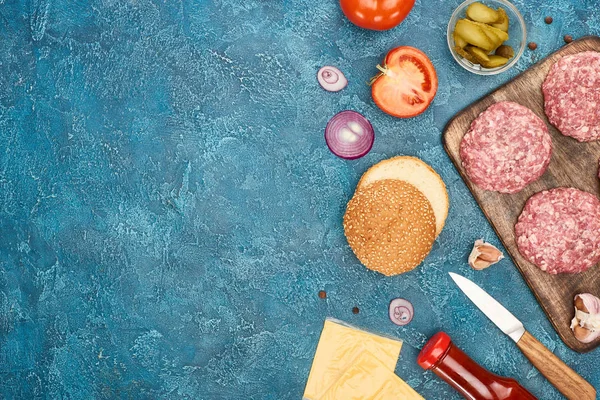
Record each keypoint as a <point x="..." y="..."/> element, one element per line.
<point x="378" y="15"/>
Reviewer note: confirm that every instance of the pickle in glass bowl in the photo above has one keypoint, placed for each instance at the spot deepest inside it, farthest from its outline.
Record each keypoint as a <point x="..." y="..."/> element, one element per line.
<point x="486" y="37"/>
<point x="474" y="35"/>
<point x="481" y="13"/>
<point x="494" y="61"/>
<point x="502" y="23"/>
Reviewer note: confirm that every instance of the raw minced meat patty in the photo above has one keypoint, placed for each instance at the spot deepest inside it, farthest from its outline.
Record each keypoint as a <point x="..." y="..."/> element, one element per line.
<point x="506" y="148"/>
<point x="559" y="230"/>
<point x="572" y="96"/>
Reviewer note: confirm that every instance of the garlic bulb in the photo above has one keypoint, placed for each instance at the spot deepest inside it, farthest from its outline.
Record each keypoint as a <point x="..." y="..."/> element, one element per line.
<point x="586" y="323"/>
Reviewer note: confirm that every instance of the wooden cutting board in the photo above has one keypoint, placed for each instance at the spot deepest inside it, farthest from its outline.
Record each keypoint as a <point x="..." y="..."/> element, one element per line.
<point x="573" y="164"/>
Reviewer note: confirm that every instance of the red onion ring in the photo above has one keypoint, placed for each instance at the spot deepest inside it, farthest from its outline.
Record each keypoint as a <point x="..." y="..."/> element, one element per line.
<point x="329" y="76"/>
<point x="331" y="79"/>
<point x="349" y="135"/>
<point x="401" y="311"/>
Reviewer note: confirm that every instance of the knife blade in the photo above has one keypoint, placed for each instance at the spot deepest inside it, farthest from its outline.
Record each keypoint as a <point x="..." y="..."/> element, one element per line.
<point x="559" y="374"/>
<point x="500" y="316"/>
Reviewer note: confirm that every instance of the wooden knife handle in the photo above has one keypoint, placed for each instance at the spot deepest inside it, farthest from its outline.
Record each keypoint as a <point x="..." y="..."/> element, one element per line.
<point x="567" y="381"/>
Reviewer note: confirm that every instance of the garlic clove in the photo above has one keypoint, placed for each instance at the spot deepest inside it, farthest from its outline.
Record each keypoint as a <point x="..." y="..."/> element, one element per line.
<point x="582" y="334"/>
<point x="580" y="304"/>
<point x="483" y="255"/>
<point x="586" y="322"/>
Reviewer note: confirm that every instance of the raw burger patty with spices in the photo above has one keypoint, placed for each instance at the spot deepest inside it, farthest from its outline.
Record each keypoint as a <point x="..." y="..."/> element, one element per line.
<point x="506" y="148"/>
<point x="559" y="230"/>
<point x="572" y="96"/>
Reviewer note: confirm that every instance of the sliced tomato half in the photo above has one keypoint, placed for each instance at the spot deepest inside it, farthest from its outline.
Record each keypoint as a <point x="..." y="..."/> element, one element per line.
<point x="407" y="83"/>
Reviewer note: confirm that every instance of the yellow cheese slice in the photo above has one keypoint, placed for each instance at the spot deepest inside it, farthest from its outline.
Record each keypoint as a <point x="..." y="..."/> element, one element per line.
<point x="368" y="379"/>
<point x="338" y="346"/>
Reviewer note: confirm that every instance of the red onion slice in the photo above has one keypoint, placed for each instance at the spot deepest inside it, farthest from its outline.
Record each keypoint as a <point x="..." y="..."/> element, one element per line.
<point x="331" y="79"/>
<point x="349" y="135"/>
<point x="401" y="311"/>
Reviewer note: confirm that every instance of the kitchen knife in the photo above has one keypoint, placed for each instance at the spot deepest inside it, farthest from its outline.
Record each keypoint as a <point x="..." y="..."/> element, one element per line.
<point x="567" y="381"/>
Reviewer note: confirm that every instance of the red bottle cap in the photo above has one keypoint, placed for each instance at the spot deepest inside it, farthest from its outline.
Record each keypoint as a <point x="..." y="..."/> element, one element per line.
<point x="433" y="350"/>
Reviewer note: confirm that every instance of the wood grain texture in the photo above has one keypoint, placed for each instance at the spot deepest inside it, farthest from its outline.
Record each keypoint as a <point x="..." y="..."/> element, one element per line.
<point x="573" y="164"/>
<point x="567" y="381"/>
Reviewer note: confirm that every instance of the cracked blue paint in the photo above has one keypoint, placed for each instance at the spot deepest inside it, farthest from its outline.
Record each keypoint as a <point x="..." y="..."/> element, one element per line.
<point x="169" y="210"/>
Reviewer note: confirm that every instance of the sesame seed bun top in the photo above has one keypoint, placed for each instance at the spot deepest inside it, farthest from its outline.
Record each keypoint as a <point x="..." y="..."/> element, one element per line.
<point x="390" y="226"/>
<point x="419" y="174"/>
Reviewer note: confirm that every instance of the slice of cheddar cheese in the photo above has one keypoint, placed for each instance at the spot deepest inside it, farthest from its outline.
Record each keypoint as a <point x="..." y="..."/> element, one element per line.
<point x="338" y="347"/>
<point x="368" y="379"/>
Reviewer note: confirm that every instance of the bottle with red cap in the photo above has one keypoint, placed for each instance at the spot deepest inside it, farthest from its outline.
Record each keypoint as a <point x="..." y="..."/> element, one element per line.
<point x="470" y="379"/>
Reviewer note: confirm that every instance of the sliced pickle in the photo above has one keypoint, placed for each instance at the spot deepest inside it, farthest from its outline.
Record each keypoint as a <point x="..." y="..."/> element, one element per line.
<point x="502" y="23"/>
<point x="495" y="61"/>
<point x="505" y="51"/>
<point x="488" y="29"/>
<point x="493" y="37"/>
<point x="480" y="55"/>
<point x="465" y="55"/>
<point x="474" y="34"/>
<point x="482" y="13"/>
<point x="459" y="41"/>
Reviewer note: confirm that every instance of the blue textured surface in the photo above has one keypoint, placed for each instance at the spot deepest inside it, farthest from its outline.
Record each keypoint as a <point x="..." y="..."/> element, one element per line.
<point x="169" y="209"/>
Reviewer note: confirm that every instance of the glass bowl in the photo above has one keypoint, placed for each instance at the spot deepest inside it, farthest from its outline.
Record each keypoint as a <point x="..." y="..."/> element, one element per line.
<point x="517" y="36"/>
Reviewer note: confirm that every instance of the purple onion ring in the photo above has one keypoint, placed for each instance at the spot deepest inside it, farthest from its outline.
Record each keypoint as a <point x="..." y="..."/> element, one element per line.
<point x="401" y="311"/>
<point x="349" y="135"/>
<point x="331" y="79"/>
